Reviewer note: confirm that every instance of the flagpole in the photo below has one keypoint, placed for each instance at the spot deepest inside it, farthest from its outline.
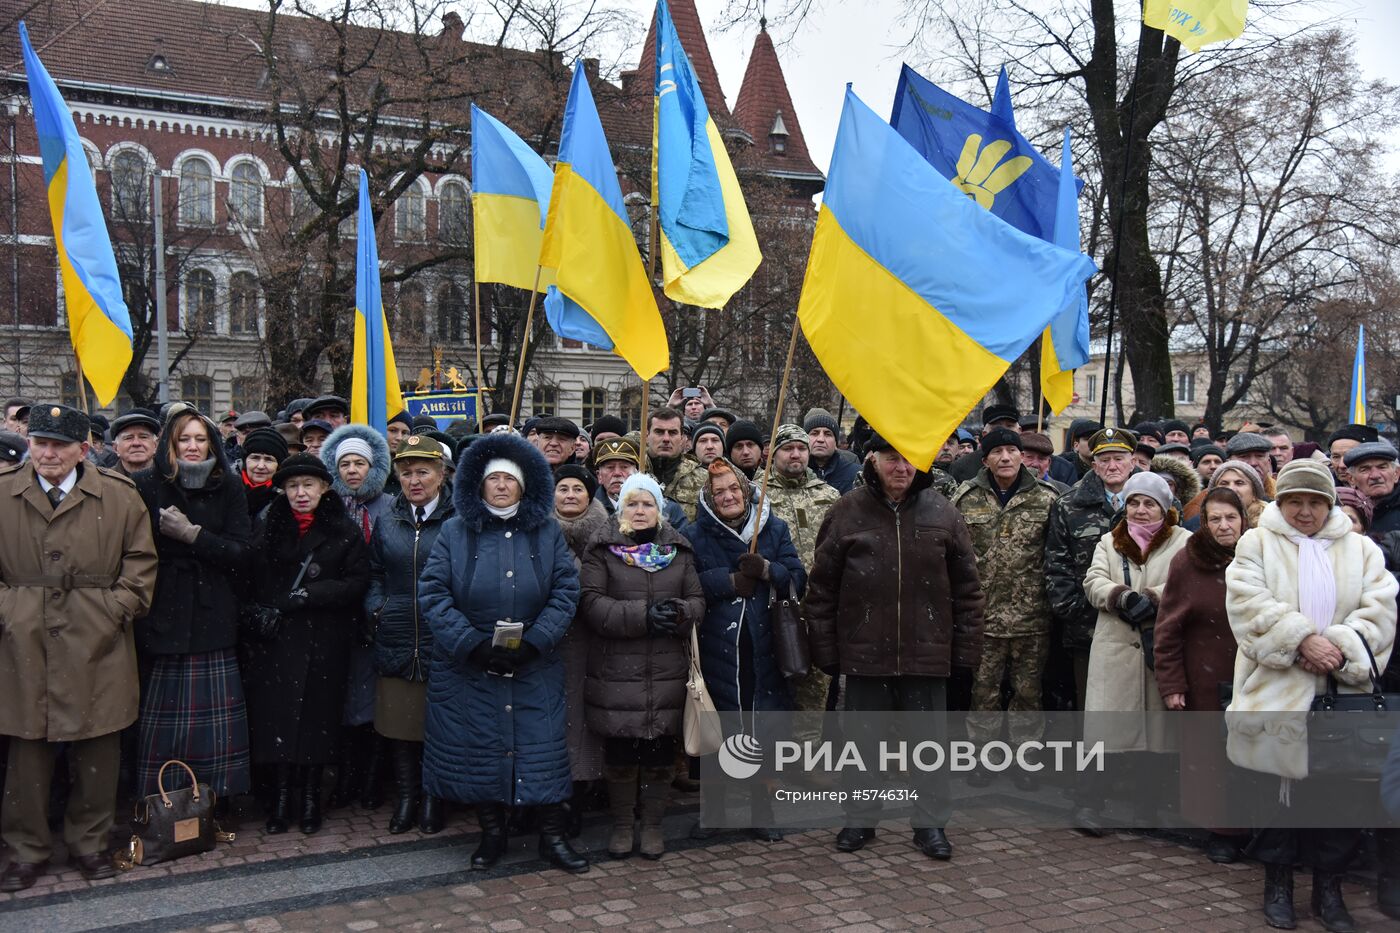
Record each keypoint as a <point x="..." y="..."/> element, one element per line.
<point x="772" y="435"/>
<point x="644" y="403"/>
<point x="82" y="382"/>
<point x="524" y="346"/>
<point x="480" y="373"/>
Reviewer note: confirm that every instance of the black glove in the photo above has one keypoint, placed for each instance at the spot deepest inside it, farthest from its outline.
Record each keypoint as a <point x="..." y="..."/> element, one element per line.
<point x="744" y="586"/>
<point x="481" y="654"/>
<point x="502" y="661"/>
<point x="297" y="600"/>
<point x="1137" y="610"/>
<point x="661" y="619"/>
<point x="525" y="654"/>
<point x="753" y="567"/>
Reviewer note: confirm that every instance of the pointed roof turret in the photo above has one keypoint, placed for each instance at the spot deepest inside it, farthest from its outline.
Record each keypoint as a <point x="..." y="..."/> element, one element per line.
<point x="764" y="111"/>
<point x="639" y="83"/>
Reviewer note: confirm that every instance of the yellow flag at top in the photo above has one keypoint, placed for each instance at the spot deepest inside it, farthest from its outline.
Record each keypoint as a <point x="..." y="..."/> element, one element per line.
<point x="1197" y="23"/>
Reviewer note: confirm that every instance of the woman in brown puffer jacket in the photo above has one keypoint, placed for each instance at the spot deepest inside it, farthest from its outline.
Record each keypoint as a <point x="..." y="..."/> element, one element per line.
<point x="641" y="596"/>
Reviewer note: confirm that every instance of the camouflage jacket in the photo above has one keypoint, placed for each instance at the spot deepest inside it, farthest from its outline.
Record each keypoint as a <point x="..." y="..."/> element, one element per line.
<point x="1077" y="522"/>
<point x="1010" y="545"/>
<point x="939" y="480"/>
<point x="685" y="484"/>
<point x="802" y="503"/>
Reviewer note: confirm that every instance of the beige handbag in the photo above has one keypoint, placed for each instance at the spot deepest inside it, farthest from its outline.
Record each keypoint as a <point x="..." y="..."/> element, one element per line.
<point x="703" y="733"/>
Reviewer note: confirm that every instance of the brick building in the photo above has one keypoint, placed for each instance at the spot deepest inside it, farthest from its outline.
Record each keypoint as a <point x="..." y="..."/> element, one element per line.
<point x="170" y="88"/>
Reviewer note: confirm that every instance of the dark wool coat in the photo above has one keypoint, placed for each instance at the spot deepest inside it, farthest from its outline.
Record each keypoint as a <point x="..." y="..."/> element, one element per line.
<point x="398" y="552"/>
<point x="840" y="471"/>
<point x="728" y="616"/>
<point x="258" y="497"/>
<point x="894" y="591"/>
<point x="295" y="685"/>
<point x="636" y="681"/>
<point x="196" y="603"/>
<point x="490" y="738"/>
<point x="585" y="747"/>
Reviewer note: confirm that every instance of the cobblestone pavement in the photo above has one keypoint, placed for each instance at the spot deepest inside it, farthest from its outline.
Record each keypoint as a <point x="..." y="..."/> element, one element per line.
<point x="354" y="876"/>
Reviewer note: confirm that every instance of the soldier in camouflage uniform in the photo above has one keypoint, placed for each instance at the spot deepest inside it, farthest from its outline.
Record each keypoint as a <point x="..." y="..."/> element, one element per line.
<point x="801" y="499"/>
<point x="1006" y="509"/>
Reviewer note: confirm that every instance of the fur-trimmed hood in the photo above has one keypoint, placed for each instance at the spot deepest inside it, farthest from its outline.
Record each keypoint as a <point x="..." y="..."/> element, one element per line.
<point x="373" y="485"/>
<point x="1188" y="481"/>
<point x="537" y="503"/>
<point x="161" y="463"/>
<point x="1124" y="544"/>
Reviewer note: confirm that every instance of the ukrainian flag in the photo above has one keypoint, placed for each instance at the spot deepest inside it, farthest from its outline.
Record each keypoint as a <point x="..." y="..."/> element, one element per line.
<point x="510" y="201"/>
<point x="588" y="242"/>
<point x="1064" y="346"/>
<point x="1357" y="408"/>
<point x="708" y="247"/>
<point x="98" y="322"/>
<point x="1197" y="23"/>
<point x="916" y="299"/>
<point x="374" y="384"/>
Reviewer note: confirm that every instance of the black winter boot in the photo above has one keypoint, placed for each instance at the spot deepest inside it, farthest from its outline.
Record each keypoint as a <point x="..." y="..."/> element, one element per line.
<point x="279" y="815"/>
<point x="1327" y="903"/>
<point x="376" y="763"/>
<point x="408" y="782"/>
<point x="311" y="799"/>
<point x="431" y="816"/>
<point x="348" y="769"/>
<point x="554" y="846"/>
<point x="492" y="817"/>
<point x="1278" y="896"/>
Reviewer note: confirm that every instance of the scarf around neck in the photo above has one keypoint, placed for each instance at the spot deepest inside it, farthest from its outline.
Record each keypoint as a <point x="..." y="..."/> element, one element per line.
<point x="650" y="556"/>
<point x="303" y="520"/>
<point x="503" y="514"/>
<point x="1317" y="587"/>
<point x="1143" y="535"/>
<point x="195" y="475"/>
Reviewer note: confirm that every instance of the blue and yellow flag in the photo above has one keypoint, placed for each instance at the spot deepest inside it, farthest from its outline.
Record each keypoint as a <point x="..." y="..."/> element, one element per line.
<point x="916" y="300"/>
<point x="510" y="201"/>
<point x="588" y="243"/>
<point x="1197" y="23"/>
<point x="1065" y="344"/>
<point x="1357" y="409"/>
<point x="708" y="247"/>
<point x="374" y="384"/>
<point x="98" y="321"/>
<point x="980" y="152"/>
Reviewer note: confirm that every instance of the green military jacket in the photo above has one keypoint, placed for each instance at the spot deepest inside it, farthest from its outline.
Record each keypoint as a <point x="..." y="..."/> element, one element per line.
<point x="685" y="485"/>
<point x="1010" y="545"/>
<point x="802" y="503"/>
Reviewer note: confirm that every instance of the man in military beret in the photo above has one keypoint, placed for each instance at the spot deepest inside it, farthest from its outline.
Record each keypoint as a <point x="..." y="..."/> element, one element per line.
<point x="614" y="460"/>
<point x="77" y="568"/>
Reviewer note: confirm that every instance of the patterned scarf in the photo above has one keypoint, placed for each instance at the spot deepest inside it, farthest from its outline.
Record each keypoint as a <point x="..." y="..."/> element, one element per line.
<point x="650" y="557"/>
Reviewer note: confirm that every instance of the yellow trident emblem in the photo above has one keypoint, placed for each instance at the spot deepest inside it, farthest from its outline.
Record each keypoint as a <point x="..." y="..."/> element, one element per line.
<point x="981" y="173"/>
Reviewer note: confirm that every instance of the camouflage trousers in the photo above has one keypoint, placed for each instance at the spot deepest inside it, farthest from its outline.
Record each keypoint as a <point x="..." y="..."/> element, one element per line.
<point x="809" y="694"/>
<point x="1021" y="660"/>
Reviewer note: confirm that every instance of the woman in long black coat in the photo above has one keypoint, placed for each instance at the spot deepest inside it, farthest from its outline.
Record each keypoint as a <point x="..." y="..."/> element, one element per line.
<point x="296" y="681"/>
<point x="192" y="705"/>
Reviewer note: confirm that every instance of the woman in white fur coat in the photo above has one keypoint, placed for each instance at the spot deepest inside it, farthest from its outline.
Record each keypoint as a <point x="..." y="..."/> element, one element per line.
<point x="1302" y="594"/>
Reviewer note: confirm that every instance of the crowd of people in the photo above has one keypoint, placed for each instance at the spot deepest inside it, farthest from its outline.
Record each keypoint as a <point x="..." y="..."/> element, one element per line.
<point x="502" y="616"/>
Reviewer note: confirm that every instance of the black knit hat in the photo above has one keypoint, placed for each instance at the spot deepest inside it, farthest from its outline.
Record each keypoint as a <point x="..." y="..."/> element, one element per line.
<point x="300" y="465"/>
<point x="1000" y="437"/>
<point x="706" y="427"/>
<point x="741" y="430"/>
<point x="1151" y="429"/>
<point x="267" y="441"/>
<point x="580" y="473"/>
<point x="608" y="424"/>
<point x="1175" y="425"/>
<point x="403" y="419"/>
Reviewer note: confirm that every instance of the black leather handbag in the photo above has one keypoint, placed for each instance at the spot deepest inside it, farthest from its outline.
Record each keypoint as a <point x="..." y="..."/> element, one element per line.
<point x="1348" y="733"/>
<point x="790" y="646"/>
<point x="172" y="824"/>
<point x="263" y="623"/>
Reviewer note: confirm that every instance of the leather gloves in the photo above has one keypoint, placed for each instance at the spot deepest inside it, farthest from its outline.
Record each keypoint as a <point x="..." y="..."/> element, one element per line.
<point x="662" y="618"/>
<point x="1136" y="609"/>
<point x="174" y="524"/>
<point x="503" y="662"/>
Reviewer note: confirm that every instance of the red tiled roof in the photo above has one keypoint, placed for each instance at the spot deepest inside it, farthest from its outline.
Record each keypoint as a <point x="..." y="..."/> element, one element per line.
<point x="762" y="96"/>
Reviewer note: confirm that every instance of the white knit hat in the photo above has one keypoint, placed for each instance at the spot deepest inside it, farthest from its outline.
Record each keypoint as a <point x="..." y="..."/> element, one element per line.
<point x="354" y="445"/>
<point x="503" y="465"/>
<point x="1150" y="485"/>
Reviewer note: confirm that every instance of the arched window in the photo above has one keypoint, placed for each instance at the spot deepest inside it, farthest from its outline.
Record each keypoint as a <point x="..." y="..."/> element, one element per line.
<point x="196" y="192"/>
<point x="410" y="225"/>
<point x="245" y="194"/>
<point x="411" y="315"/>
<point x="453" y="214"/>
<point x="451" y="308"/>
<point x="129" y="185"/>
<point x="544" y="400"/>
<point x="300" y="205"/>
<point x="594" y="402"/>
<point x="201" y="298"/>
<point x="199" y="392"/>
<point x="243" y="304"/>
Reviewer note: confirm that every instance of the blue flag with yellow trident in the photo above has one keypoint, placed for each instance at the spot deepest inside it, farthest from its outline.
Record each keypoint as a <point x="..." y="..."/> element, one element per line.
<point x="375" y="394"/>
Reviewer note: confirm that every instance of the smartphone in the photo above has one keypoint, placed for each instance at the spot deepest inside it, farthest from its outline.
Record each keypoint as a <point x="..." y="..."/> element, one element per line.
<point x="690" y="392"/>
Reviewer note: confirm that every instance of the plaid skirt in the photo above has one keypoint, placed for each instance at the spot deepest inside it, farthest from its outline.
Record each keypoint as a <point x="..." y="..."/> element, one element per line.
<point x="192" y="709"/>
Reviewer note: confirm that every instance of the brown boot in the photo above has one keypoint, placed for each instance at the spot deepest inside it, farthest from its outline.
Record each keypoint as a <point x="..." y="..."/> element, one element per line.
<point x="622" y="802"/>
<point x="655" y="793"/>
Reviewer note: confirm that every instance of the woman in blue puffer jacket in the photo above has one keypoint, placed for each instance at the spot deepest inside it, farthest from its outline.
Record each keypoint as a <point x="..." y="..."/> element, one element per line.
<point x="495" y="721"/>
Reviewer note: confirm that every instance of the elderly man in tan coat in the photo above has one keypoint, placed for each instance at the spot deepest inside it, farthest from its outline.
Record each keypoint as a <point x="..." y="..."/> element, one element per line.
<point x="77" y="567"/>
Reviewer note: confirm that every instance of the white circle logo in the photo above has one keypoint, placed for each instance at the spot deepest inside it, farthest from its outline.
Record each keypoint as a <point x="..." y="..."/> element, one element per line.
<point x="740" y="756"/>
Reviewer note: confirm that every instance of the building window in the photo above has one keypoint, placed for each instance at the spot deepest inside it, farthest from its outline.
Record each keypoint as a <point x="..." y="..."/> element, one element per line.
<point x="70" y="396"/>
<point x="450" y="309"/>
<point x="544" y="400"/>
<point x="594" y="401"/>
<point x="1237" y="379"/>
<point x="245" y="194"/>
<point x="196" y="193"/>
<point x="1091" y="388"/>
<point x="201" y="298"/>
<point x="409" y="223"/>
<point x="249" y="393"/>
<point x="631" y="413"/>
<point x="129" y="185"/>
<point x="199" y="392"/>
<point x="452" y="213"/>
<point x="412" y="311"/>
<point x="243" y="304"/>
<point x="301" y="206"/>
<point x="1186" y="388"/>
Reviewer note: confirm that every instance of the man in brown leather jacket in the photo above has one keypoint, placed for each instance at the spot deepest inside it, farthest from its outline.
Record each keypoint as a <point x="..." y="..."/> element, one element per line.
<point x="894" y="603"/>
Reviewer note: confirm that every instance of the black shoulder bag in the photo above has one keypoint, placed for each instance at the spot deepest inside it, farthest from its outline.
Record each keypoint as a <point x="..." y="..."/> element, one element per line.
<point x="1348" y="733"/>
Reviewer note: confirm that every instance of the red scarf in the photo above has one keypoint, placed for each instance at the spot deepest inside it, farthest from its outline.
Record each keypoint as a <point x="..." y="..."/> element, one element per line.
<point x="252" y="485"/>
<point x="304" y="520"/>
